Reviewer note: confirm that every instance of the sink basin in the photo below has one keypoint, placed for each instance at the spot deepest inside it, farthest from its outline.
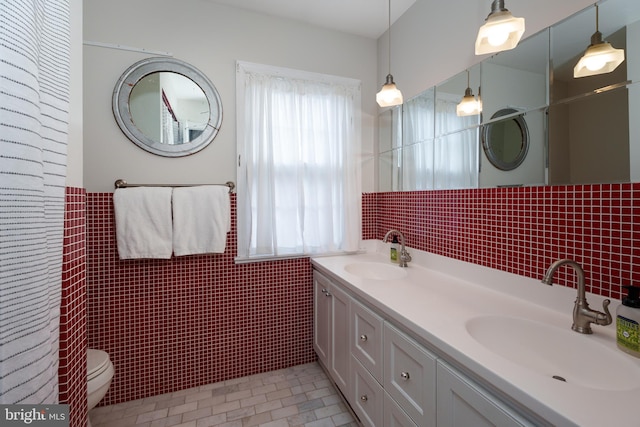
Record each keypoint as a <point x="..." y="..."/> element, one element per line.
<point x="376" y="270"/>
<point x="555" y="352"/>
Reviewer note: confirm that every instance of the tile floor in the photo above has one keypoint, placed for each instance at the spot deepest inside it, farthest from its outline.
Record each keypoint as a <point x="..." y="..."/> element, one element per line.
<point x="297" y="396"/>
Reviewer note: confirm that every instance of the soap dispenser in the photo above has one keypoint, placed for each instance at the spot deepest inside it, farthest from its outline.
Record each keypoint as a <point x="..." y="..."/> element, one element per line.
<point x="393" y="254"/>
<point x="627" y="322"/>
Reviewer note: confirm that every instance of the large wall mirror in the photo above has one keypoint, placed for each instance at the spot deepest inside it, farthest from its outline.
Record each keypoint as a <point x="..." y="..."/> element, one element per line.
<point x="577" y="129"/>
<point x="167" y="107"/>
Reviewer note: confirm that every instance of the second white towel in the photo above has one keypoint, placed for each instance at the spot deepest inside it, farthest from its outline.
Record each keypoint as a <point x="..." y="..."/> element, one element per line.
<point x="201" y="219"/>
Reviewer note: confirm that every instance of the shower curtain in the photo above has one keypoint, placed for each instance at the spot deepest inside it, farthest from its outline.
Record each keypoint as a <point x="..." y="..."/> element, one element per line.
<point x="34" y="98"/>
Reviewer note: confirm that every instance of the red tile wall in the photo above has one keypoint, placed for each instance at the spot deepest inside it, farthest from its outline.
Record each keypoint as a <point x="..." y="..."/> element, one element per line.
<point x="523" y="230"/>
<point x="173" y="324"/>
<point x="72" y="371"/>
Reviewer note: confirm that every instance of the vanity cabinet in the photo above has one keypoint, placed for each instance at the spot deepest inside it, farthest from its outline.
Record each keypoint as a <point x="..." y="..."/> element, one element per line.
<point x="388" y="378"/>
<point x="331" y="333"/>
<point x="462" y="403"/>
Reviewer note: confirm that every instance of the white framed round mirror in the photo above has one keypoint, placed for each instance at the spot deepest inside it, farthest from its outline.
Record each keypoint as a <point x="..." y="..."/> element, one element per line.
<point x="506" y="142"/>
<point x="167" y="107"/>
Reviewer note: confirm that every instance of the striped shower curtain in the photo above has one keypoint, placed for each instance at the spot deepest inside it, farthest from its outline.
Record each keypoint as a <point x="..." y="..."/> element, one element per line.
<point x="34" y="98"/>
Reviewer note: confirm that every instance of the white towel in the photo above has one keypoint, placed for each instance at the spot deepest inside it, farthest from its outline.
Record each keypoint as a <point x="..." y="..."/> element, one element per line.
<point x="201" y="219"/>
<point x="143" y="222"/>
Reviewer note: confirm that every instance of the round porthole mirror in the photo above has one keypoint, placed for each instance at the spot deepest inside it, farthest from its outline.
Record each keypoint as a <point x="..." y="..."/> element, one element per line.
<point x="506" y="142"/>
<point x="167" y="107"/>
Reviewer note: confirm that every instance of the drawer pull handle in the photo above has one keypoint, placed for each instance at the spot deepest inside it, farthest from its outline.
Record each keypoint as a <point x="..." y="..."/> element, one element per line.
<point x="364" y="398"/>
<point x="405" y="376"/>
<point x="324" y="291"/>
<point x="328" y="294"/>
<point x="363" y="337"/>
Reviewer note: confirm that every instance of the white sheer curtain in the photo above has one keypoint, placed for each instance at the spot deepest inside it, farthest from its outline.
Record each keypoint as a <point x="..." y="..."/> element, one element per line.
<point x="299" y="174"/>
<point x="34" y="99"/>
<point x="418" y="138"/>
<point x="456" y="150"/>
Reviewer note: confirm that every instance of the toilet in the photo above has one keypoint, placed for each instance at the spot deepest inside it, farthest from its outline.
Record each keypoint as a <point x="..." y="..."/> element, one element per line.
<point x="99" y="374"/>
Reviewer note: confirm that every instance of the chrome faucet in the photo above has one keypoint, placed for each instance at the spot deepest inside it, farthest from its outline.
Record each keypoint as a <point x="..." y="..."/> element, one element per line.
<point x="404" y="257"/>
<point x="583" y="316"/>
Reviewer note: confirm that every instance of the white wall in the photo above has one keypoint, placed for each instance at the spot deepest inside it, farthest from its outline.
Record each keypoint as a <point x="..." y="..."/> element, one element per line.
<point x="74" y="148"/>
<point x="210" y="37"/>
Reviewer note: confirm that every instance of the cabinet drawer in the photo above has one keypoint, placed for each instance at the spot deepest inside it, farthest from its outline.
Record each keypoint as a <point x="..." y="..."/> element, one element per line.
<point x="410" y="376"/>
<point x="367" y="396"/>
<point x="366" y="342"/>
<point x="462" y="403"/>
<point x="394" y="416"/>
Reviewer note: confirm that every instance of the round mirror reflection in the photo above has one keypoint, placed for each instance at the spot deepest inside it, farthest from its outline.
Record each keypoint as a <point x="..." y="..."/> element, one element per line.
<point x="506" y="142"/>
<point x="167" y="107"/>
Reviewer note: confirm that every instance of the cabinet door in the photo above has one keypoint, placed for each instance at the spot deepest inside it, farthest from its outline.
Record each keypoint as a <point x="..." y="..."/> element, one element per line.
<point x="394" y="416"/>
<point x="367" y="397"/>
<point x="461" y="403"/>
<point x="410" y="376"/>
<point x="340" y="360"/>
<point x="366" y="341"/>
<point x="321" y="318"/>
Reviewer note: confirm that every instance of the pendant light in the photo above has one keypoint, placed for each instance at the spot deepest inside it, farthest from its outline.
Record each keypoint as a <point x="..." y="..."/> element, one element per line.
<point x="389" y="95"/>
<point x="599" y="58"/>
<point x="469" y="106"/>
<point x="501" y="31"/>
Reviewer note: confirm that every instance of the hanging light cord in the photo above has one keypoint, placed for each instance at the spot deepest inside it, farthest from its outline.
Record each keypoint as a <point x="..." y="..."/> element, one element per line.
<point x="389" y="36"/>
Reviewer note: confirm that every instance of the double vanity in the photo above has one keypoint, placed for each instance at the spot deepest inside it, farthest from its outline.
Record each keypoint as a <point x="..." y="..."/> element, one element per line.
<point x="447" y="343"/>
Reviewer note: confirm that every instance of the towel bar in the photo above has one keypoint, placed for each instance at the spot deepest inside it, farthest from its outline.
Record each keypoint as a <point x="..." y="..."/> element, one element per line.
<point x="121" y="183"/>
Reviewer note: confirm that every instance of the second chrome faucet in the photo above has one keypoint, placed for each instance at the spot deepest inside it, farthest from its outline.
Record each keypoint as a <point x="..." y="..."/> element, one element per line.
<point x="404" y="257"/>
<point x="583" y="316"/>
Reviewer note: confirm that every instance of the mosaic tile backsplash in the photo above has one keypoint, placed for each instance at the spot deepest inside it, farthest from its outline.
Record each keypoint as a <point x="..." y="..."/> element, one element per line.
<point x="523" y="230"/>
<point x="174" y="324"/>
<point x="179" y="323"/>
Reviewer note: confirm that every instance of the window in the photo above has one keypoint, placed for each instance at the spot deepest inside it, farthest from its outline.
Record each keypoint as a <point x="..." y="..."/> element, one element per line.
<point x="298" y="162"/>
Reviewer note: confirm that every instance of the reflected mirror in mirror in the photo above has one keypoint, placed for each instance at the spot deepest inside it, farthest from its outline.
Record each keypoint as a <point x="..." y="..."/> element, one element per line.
<point x="167" y="107"/>
<point x="506" y="142"/>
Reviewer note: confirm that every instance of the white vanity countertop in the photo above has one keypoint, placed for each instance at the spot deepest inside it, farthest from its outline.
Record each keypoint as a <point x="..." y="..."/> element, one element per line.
<point x="439" y="295"/>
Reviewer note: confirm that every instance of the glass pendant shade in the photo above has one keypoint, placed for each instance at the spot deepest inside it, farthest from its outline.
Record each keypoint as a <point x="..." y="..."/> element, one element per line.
<point x="469" y="106"/>
<point x="389" y="95"/>
<point x="599" y="58"/>
<point x="501" y="31"/>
